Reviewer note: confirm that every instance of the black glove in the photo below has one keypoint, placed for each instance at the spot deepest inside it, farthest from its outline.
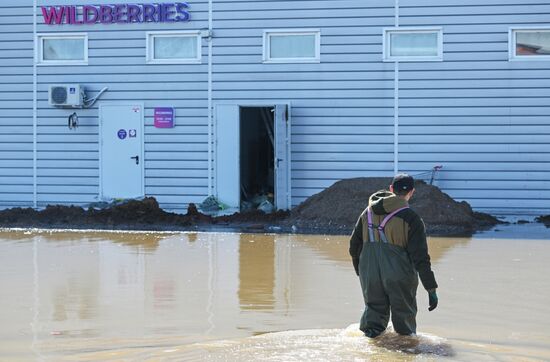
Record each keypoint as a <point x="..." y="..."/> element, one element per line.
<point x="356" y="265"/>
<point x="432" y="299"/>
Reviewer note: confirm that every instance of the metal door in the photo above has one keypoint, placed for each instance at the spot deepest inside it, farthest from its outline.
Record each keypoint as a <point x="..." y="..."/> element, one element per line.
<point x="121" y="151"/>
<point x="228" y="167"/>
<point x="282" y="157"/>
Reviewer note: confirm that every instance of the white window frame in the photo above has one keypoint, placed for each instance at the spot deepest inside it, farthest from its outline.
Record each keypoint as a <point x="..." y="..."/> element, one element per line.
<point x="386" y="44"/>
<point x="39" y="55"/>
<point x="266" y="58"/>
<point x="150" y="48"/>
<point x="512" y="56"/>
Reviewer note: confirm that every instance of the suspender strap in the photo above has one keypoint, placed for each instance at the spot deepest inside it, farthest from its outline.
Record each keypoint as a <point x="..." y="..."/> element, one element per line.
<point x="383" y="236"/>
<point x="389" y="216"/>
<point x="382" y="225"/>
<point x="369" y="219"/>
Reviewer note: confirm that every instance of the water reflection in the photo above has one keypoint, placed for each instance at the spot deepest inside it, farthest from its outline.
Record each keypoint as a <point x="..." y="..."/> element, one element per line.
<point x="140" y="295"/>
<point x="335" y="247"/>
<point x="256" y="272"/>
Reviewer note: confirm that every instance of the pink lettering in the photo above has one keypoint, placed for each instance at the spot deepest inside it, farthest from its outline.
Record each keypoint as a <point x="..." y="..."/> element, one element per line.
<point x="181" y="9"/>
<point x="119" y="13"/>
<point x="71" y="10"/>
<point x="115" y="13"/>
<point x="149" y="12"/>
<point x="53" y="15"/>
<point x="134" y="13"/>
<point x="105" y="14"/>
<point x="87" y="11"/>
<point x="75" y="16"/>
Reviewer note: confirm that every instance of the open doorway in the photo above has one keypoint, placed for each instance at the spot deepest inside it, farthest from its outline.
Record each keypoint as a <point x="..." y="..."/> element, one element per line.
<point x="252" y="155"/>
<point x="257" y="158"/>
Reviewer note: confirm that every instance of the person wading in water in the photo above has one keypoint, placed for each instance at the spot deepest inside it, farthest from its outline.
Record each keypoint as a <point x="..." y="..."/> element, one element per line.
<point x="389" y="251"/>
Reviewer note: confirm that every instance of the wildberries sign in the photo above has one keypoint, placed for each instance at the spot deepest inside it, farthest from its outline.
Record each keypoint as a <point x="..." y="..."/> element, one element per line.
<point x="116" y="13"/>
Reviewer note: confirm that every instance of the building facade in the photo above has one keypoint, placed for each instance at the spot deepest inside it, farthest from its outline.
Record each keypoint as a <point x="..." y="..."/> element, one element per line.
<point x="243" y="98"/>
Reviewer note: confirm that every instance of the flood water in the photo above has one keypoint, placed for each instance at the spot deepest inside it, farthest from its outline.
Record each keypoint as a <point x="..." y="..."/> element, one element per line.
<point x="98" y="296"/>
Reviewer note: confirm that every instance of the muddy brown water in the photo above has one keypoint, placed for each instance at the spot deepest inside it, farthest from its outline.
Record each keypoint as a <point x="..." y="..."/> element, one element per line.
<point x="98" y="296"/>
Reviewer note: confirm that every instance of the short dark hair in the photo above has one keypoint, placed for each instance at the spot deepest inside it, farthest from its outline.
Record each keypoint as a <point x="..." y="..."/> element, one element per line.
<point x="402" y="184"/>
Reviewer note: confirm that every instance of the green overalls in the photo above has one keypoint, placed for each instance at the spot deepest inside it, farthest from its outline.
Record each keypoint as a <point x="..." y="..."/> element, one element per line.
<point x="388" y="246"/>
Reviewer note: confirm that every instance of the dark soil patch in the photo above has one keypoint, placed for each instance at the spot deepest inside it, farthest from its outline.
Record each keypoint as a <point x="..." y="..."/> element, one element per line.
<point x="545" y="219"/>
<point x="339" y="206"/>
<point x="332" y="211"/>
<point x="132" y="215"/>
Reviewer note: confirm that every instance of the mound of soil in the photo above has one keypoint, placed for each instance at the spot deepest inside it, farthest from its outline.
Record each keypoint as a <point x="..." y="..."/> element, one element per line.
<point x="338" y="207"/>
<point x="333" y="211"/>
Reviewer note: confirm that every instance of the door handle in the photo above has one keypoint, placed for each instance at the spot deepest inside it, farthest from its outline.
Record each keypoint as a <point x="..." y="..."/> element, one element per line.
<point x="136" y="158"/>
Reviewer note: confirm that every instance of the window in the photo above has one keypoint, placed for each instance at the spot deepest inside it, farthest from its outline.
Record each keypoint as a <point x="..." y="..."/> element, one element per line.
<point x="529" y="44"/>
<point x="175" y="47"/>
<point x="62" y="48"/>
<point x="292" y="46"/>
<point x="407" y="44"/>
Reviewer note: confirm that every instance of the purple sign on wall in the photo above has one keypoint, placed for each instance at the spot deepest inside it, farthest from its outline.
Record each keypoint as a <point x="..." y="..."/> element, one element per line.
<point x="116" y="13"/>
<point x="164" y="117"/>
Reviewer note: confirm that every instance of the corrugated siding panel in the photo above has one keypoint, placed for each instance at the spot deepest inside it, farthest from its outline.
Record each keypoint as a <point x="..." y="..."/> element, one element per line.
<point x="16" y="131"/>
<point x="342" y="108"/>
<point x="175" y="159"/>
<point x="484" y="118"/>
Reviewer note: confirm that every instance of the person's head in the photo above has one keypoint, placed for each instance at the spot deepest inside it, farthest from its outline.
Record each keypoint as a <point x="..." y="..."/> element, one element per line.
<point x="403" y="186"/>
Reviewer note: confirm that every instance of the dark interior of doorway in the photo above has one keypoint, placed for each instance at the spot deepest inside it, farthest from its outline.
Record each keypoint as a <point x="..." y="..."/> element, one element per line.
<point x="257" y="158"/>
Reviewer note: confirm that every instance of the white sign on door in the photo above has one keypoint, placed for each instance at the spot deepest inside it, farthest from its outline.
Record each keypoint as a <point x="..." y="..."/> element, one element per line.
<point x="121" y="151"/>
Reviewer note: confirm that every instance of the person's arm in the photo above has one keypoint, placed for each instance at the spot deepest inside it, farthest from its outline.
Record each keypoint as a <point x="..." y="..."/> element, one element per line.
<point x="417" y="248"/>
<point x="356" y="244"/>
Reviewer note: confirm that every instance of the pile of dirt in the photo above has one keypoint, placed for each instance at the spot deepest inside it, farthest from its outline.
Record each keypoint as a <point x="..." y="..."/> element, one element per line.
<point x="545" y="219"/>
<point x="334" y="211"/>
<point x="338" y="207"/>
<point x="143" y="214"/>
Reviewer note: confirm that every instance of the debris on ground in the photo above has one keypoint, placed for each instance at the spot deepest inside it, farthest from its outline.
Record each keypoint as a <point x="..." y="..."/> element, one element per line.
<point x="211" y="204"/>
<point x="262" y="202"/>
<point x="106" y="204"/>
<point x="333" y="211"/>
<point x="266" y="207"/>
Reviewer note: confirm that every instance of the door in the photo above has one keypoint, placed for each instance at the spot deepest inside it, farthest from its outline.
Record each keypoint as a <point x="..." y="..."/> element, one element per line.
<point x="228" y="168"/>
<point x="282" y="157"/>
<point x="121" y="151"/>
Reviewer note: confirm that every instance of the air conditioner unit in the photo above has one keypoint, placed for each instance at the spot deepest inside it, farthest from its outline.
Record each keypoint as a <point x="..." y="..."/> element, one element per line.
<point x="66" y="95"/>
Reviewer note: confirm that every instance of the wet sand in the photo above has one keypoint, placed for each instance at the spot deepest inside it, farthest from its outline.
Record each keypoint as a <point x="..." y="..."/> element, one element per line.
<point x="92" y="296"/>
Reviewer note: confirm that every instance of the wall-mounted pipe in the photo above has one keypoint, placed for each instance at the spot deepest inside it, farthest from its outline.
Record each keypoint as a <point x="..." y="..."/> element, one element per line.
<point x="34" y="110"/>
<point x="210" y="118"/>
<point x="396" y="103"/>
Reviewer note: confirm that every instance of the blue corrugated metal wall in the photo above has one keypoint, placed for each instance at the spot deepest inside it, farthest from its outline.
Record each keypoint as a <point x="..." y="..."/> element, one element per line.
<point x="484" y="118"/>
<point x="342" y="108"/>
<point x="16" y="98"/>
<point x="175" y="159"/>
